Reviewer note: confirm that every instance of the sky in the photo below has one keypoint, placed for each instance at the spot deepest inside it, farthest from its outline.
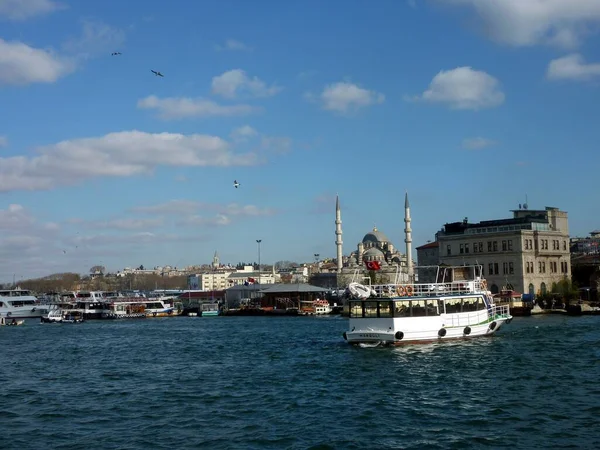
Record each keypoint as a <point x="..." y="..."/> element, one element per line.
<point x="470" y="106"/>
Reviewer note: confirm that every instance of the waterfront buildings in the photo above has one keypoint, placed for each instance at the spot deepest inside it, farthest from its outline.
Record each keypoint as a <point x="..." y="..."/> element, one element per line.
<point x="527" y="253"/>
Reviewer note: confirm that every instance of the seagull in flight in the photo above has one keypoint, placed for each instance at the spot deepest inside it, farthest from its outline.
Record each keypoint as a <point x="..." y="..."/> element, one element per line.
<point x="235" y="184"/>
<point x="116" y="53"/>
<point x="157" y="73"/>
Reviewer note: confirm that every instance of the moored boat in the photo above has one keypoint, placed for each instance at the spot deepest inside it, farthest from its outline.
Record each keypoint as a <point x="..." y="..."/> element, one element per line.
<point x="20" y="304"/>
<point x="209" y="309"/>
<point x="457" y="306"/>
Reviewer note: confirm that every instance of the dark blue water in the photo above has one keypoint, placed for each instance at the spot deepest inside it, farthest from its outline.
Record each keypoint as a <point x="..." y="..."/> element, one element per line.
<point x="277" y="383"/>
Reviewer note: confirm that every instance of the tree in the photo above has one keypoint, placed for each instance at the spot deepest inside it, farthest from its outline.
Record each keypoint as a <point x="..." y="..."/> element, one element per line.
<point x="141" y="267"/>
<point x="98" y="269"/>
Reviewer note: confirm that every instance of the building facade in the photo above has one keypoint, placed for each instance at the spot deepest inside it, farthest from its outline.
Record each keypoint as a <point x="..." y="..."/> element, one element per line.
<point x="528" y="253"/>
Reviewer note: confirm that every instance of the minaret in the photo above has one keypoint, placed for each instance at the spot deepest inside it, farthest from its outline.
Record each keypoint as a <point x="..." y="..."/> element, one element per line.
<point x="338" y="233"/>
<point x="408" y="238"/>
<point x="215" y="262"/>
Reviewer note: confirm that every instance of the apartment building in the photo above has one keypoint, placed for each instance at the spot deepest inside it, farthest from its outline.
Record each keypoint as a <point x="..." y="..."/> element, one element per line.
<point x="527" y="253"/>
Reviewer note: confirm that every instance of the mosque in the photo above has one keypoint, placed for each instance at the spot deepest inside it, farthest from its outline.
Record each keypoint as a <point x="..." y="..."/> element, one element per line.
<point x="394" y="267"/>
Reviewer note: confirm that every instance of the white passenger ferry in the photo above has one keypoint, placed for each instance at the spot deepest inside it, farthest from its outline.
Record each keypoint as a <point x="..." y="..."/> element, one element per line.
<point x="20" y="304"/>
<point x="457" y="306"/>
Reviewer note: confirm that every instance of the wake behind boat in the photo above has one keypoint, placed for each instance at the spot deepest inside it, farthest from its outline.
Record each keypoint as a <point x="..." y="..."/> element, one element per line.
<point x="457" y="306"/>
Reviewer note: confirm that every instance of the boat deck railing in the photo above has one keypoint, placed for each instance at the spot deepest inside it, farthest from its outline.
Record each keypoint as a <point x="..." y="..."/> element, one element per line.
<point x="428" y="289"/>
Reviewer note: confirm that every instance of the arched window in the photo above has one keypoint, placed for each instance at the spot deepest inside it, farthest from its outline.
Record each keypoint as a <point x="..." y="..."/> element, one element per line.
<point x="494" y="289"/>
<point x="531" y="289"/>
<point x="543" y="288"/>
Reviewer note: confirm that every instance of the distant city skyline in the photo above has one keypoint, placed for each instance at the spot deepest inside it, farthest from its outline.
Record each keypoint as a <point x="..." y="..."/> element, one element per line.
<point x="469" y="106"/>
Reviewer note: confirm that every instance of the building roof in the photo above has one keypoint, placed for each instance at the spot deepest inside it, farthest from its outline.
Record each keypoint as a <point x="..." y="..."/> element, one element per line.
<point x="297" y="287"/>
<point x="433" y="244"/>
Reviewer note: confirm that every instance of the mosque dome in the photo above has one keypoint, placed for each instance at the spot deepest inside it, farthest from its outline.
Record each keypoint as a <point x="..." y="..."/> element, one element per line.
<point x="373" y="252"/>
<point x="375" y="236"/>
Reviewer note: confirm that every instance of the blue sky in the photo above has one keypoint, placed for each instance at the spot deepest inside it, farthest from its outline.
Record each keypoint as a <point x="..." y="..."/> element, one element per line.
<point x="468" y="105"/>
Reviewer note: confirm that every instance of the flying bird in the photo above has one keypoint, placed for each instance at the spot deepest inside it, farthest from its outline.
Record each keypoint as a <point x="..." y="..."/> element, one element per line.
<point x="157" y="73"/>
<point x="116" y="53"/>
<point x="235" y="184"/>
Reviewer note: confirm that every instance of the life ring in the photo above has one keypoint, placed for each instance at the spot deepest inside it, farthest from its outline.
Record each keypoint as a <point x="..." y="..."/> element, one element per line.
<point x="401" y="291"/>
<point x="410" y="290"/>
<point x="484" y="285"/>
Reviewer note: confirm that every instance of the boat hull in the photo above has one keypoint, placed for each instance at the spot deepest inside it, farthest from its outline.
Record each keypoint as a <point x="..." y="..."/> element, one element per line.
<point x="398" y="337"/>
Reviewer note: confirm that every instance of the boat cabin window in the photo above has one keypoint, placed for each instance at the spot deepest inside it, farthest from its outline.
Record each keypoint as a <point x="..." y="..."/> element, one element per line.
<point x="385" y="309"/>
<point x="464" y="304"/>
<point x="417" y="308"/>
<point x="370" y="309"/>
<point x="356" y="309"/>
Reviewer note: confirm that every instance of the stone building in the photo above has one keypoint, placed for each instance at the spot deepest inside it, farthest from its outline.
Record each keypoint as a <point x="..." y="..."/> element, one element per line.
<point x="527" y="253"/>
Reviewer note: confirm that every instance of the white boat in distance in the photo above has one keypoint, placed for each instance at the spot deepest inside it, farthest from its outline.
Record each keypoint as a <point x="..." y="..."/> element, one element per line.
<point x="20" y="304"/>
<point x="457" y="306"/>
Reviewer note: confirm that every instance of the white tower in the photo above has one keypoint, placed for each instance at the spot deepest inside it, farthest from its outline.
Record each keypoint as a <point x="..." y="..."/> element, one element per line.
<point x="215" y="261"/>
<point x="338" y="233"/>
<point x="408" y="238"/>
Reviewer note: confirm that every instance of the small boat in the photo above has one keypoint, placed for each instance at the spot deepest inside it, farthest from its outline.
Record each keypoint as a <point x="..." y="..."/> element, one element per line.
<point x="209" y="309"/>
<point x="458" y="306"/>
<point x="12" y="322"/>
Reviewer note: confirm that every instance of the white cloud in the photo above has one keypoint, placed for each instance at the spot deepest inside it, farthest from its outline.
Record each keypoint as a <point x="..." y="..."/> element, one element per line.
<point x="562" y="23"/>
<point x="25" y="9"/>
<point x="3" y="141"/>
<point x="477" y="143"/>
<point x="117" y="154"/>
<point x="572" y="67"/>
<point x="172" y="207"/>
<point x="182" y="107"/>
<point x="345" y="97"/>
<point x="464" y="88"/>
<point x="243" y="133"/>
<point x="236" y="82"/>
<point x="21" y="64"/>
<point x="411" y="3"/>
<point x="276" y="144"/>
<point x="232" y="44"/>
<point x="96" y="38"/>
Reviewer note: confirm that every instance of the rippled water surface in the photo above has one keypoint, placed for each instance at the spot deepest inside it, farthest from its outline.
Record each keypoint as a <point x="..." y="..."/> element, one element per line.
<point x="292" y="382"/>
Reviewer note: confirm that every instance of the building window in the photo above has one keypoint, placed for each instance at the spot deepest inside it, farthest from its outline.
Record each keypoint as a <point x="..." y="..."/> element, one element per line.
<point x="462" y="249"/>
<point x="491" y="269"/>
<point x="448" y="250"/>
<point x="481" y="247"/>
<point x="474" y="247"/>
<point x="510" y="245"/>
<point x="511" y="268"/>
<point x="539" y="267"/>
<point x="543" y="267"/>
<point x="504" y="246"/>
<point x="564" y="245"/>
<point x="496" y="271"/>
<point x="526" y="244"/>
<point x="495" y="246"/>
<point x="504" y="268"/>
<point x="489" y="246"/>
<point x="466" y="248"/>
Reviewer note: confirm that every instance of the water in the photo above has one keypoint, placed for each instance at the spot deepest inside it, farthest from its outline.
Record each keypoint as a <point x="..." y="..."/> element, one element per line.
<point x="292" y="382"/>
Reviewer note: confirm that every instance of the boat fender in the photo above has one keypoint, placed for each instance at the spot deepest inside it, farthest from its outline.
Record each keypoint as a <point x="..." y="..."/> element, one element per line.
<point x="345" y="336"/>
<point x="508" y="320"/>
<point x="467" y="331"/>
<point x="493" y="326"/>
<point x="154" y="313"/>
<point x="442" y="332"/>
<point x="399" y="335"/>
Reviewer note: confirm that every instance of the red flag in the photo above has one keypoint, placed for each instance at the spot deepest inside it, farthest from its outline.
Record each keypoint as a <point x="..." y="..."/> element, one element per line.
<point x="373" y="265"/>
<point x="250" y="280"/>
